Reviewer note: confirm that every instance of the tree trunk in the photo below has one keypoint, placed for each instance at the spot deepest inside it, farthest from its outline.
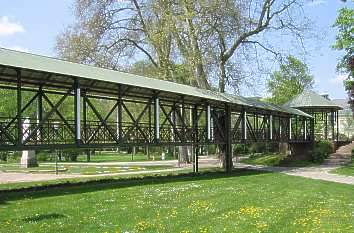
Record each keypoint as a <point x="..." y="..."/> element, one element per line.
<point x="222" y="78"/>
<point x="183" y="151"/>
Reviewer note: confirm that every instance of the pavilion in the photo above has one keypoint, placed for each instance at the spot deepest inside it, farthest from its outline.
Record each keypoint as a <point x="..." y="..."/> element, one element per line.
<point x="322" y="109"/>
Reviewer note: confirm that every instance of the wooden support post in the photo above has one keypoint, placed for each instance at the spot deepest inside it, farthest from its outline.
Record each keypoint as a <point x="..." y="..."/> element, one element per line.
<point x="228" y="139"/>
<point x="19" y="108"/>
<point x="77" y="106"/>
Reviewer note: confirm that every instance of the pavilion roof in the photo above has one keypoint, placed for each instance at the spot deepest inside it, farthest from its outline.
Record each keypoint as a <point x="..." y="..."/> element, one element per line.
<point x="310" y="99"/>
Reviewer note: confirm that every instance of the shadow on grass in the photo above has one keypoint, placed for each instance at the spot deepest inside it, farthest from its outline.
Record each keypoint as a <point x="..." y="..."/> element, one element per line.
<point x="41" y="217"/>
<point x="78" y="187"/>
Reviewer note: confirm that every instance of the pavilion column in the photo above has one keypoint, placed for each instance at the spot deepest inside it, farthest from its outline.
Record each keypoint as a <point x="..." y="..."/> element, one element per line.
<point x="40" y="114"/>
<point x="208" y="122"/>
<point x="326" y="125"/>
<point x="271" y="127"/>
<point x="332" y="126"/>
<point x="290" y="129"/>
<point x="77" y="106"/>
<point x="119" y="115"/>
<point x="19" y="108"/>
<point x="305" y="129"/>
<point x="228" y="139"/>
<point x="244" y="125"/>
<point x="337" y="122"/>
<point x="195" y="138"/>
<point x="157" y="119"/>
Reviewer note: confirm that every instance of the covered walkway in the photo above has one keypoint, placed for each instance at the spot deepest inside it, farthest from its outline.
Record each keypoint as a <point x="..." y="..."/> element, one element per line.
<point x="59" y="104"/>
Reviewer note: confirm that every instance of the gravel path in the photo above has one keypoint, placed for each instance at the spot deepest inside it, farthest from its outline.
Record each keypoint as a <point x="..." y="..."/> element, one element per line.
<point x="318" y="172"/>
<point x="13" y="177"/>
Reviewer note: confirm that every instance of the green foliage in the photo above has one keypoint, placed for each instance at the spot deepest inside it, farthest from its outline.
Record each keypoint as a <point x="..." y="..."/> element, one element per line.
<point x="264" y="159"/>
<point x="321" y="150"/>
<point x="292" y="78"/>
<point x="44" y="156"/>
<point x="71" y="154"/>
<point x="345" y="39"/>
<point x="240" y="149"/>
<point x="258" y="147"/>
<point x="3" y="156"/>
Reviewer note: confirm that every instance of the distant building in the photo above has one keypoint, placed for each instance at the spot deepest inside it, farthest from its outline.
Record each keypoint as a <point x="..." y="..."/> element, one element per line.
<point x="345" y="117"/>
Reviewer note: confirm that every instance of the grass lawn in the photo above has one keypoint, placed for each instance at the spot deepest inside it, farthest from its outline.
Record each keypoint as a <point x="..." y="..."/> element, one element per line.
<point x="275" y="160"/>
<point x="119" y="157"/>
<point x="347" y="170"/>
<point x="244" y="201"/>
<point x="78" y="169"/>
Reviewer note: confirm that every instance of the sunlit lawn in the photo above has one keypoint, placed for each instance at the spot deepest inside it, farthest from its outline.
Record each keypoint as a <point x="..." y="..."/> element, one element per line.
<point x="79" y="169"/>
<point x="346" y="170"/>
<point x="242" y="202"/>
<point x="120" y="157"/>
<point x="275" y="160"/>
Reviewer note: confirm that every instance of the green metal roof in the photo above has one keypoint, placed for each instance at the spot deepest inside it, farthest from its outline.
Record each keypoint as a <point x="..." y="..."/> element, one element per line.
<point x="63" y="68"/>
<point x="252" y="102"/>
<point x="52" y="65"/>
<point x="310" y="99"/>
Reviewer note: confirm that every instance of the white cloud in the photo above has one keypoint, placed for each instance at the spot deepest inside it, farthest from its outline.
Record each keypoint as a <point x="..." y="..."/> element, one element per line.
<point x="9" y="28"/>
<point x="316" y="2"/>
<point x="338" y="79"/>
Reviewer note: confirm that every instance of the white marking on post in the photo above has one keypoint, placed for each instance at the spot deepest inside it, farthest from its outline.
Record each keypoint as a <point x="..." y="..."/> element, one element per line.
<point x="208" y="122"/>
<point x="157" y="117"/>
<point x="290" y="129"/>
<point x="271" y="127"/>
<point x="305" y="129"/>
<point x="78" y="117"/>
<point x="245" y="125"/>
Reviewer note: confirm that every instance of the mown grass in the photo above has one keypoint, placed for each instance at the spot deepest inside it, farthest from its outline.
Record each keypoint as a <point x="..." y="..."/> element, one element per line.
<point x="346" y="170"/>
<point x="244" y="201"/>
<point x="275" y="160"/>
<point x="79" y="169"/>
<point x="120" y="157"/>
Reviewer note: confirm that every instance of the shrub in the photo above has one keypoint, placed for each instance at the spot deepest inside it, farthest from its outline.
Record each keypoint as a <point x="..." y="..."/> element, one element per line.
<point x="343" y="137"/>
<point x="258" y="147"/>
<point x="44" y="156"/>
<point x="71" y="154"/>
<point x="14" y="156"/>
<point x="321" y="150"/>
<point x="239" y="149"/>
<point x="3" y="155"/>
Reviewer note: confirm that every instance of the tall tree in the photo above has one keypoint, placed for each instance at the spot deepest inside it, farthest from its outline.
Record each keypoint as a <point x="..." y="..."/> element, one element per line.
<point x="345" y="42"/>
<point x="291" y="79"/>
<point x="214" y="39"/>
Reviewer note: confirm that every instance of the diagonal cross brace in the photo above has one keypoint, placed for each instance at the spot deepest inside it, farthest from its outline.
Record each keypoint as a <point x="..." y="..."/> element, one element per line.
<point x="103" y="121"/>
<point x="49" y="114"/>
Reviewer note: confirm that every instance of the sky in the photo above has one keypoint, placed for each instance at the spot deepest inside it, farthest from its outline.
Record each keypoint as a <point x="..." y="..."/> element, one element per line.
<point x="32" y="26"/>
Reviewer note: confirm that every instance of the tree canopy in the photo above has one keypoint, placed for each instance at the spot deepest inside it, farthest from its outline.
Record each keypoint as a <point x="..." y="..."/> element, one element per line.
<point x="345" y="42"/>
<point x="217" y="42"/>
<point x="291" y="79"/>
